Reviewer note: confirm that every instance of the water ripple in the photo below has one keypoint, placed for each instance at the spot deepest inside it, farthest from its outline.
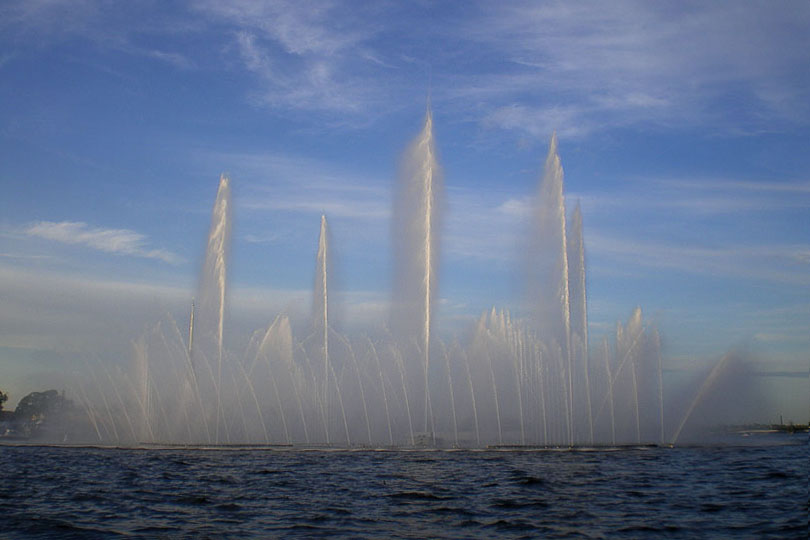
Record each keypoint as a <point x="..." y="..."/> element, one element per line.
<point x="678" y="493"/>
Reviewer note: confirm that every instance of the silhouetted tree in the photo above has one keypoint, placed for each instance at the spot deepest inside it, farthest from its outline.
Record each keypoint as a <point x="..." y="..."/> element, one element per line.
<point x="3" y="399"/>
<point x="40" y="410"/>
<point x="38" y="405"/>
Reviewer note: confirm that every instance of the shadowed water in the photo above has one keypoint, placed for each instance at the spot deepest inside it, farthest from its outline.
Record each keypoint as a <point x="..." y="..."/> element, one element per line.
<point x="752" y="492"/>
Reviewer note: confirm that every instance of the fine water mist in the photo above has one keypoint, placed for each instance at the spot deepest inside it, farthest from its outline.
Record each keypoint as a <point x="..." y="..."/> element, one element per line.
<point x="531" y="381"/>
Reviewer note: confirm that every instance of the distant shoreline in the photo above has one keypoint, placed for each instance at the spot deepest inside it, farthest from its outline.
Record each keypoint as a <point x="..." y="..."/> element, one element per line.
<point x="767" y="428"/>
<point x="743" y="431"/>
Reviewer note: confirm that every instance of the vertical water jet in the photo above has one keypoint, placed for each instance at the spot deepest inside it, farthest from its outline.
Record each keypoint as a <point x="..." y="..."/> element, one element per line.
<point x="191" y="329"/>
<point x="211" y="316"/>
<point x="416" y="239"/>
<point x="579" y="310"/>
<point x="549" y="281"/>
<point x="321" y="312"/>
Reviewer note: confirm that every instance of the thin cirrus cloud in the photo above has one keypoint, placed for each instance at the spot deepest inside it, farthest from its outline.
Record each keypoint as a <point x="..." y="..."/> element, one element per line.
<point x="780" y="263"/>
<point x="272" y="181"/>
<point x="640" y="62"/>
<point x="298" y="28"/>
<point x="527" y="67"/>
<point x="118" y="241"/>
<point x="301" y="55"/>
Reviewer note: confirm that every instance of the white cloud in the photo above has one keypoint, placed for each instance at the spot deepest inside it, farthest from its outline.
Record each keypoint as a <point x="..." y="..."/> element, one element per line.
<point x="119" y="241"/>
<point x="519" y="208"/>
<point x="567" y="120"/>
<point x="172" y="58"/>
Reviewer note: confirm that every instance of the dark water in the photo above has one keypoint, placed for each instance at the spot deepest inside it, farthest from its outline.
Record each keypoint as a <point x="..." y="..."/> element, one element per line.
<point x="748" y="492"/>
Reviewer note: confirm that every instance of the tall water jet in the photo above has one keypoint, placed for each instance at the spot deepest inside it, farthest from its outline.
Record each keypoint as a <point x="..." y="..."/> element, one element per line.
<point x="549" y="283"/>
<point x="660" y="369"/>
<point x="579" y="314"/>
<point x="191" y="330"/>
<point x="211" y="317"/>
<point x="320" y="312"/>
<point x="416" y="239"/>
<point x="142" y="387"/>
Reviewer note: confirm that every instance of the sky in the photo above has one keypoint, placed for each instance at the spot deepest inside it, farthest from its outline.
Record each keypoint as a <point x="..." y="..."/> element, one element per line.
<point x="683" y="130"/>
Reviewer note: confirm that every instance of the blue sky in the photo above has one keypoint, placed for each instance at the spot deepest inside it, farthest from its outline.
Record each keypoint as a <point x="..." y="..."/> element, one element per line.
<point x="683" y="130"/>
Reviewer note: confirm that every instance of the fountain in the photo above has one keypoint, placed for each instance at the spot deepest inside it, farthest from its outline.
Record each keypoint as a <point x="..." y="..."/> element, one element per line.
<point x="514" y="382"/>
<point x="416" y="242"/>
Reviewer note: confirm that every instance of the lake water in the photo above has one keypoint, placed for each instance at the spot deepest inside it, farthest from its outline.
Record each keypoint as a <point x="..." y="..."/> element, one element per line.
<point x="757" y="491"/>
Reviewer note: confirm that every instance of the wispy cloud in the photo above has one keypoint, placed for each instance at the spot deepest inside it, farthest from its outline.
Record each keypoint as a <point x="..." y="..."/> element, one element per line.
<point x="698" y="196"/>
<point x="119" y="241"/>
<point x="322" y="205"/>
<point x="519" y="208"/>
<point x="774" y="263"/>
<point x="47" y="16"/>
<point x="119" y="28"/>
<point x="800" y="188"/>
<point x="262" y="238"/>
<point x="480" y="227"/>
<point x="285" y="182"/>
<point x="767" y="337"/>
<point x="520" y="66"/>
<point x="24" y="256"/>
<point x="635" y="62"/>
<point x="307" y="57"/>
<point x="173" y="58"/>
<point x="566" y="120"/>
<point x="6" y="58"/>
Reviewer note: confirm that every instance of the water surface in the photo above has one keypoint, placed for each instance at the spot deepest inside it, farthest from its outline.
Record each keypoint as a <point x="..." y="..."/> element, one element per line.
<point x="71" y="492"/>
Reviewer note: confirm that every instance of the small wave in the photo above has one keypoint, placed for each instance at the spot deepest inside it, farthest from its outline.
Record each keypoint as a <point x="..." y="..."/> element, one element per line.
<point x="639" y="529"/>
<point x="417" y="496"/>
<point x="218" y="479"/>
<point x="532" y="481"/>
<point x="516" y="525"/>
<point x="711" y="508"/>
<point x="517" y="504"/>
<point x="193" y="500"/>
<point x="445" y="510"/>
<point x="46" y="527"/>
<point x="338" y="511"/>
<point x="87" y="497"/>
<point x="266" y="471"/>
